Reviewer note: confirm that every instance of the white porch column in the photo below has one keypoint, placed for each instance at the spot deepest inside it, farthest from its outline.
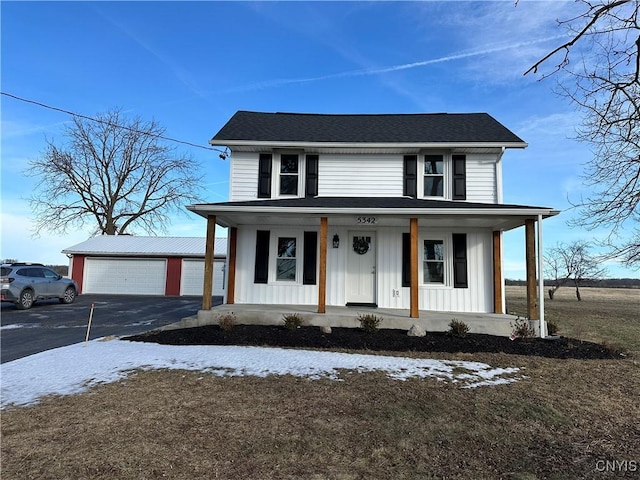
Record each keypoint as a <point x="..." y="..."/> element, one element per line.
<point x="543" y="332"/>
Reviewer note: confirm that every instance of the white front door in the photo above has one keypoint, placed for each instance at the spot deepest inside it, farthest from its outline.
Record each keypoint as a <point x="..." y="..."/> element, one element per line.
<point x="361" y="268"/>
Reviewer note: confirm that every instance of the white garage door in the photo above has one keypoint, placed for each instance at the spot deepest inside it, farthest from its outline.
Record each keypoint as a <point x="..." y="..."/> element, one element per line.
<point x="124" y="276"/>
<point x="193" y="277"/>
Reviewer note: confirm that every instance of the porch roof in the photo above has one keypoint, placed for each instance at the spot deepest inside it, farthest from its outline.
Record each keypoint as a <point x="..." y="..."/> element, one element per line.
<point x="392" y="210"/>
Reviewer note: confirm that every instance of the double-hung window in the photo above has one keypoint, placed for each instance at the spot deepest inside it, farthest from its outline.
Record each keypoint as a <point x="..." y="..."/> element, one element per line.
<point x="286" y="259"/>
<point x="433" y="175"/>
<point x="433" y="261"/>
<point x="289" y="173"/>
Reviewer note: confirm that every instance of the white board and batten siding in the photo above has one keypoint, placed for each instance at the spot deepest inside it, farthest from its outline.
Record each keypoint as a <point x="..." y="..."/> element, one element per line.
<point x="192" y="282"/>
<point x="476" y="298"/>
<point x="125" y="276"/>
<point x="247" y="291"/>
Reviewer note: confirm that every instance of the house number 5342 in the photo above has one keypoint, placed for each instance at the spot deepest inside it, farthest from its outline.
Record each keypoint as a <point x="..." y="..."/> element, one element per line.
<point x="366" y="220"/>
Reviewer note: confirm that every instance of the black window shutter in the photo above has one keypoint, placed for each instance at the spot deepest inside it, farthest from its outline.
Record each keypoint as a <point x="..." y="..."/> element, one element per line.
<point x="264" y="176"/>
<point x="406" y="259"/>
<point x="261" y="273"/>
<point x="460" y="260"/>
<point x="311" y="189"/>
<point x="309" y="258"/>
<point x="459" y="177"/>
<point x="410" y="187"/>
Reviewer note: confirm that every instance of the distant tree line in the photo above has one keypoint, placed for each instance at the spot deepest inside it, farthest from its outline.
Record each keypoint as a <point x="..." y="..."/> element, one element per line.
<point x="602" y="283"/>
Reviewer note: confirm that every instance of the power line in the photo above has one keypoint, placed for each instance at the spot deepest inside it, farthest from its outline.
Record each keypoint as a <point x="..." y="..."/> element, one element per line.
<point x="86" y="117"/>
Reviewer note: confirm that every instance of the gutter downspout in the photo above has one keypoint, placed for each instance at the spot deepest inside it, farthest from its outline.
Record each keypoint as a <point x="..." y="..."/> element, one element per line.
<point x="499" y="194"/>
<point x="543" y="333"/>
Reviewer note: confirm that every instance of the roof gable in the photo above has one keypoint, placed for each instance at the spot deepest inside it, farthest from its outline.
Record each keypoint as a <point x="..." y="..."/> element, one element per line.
<point x="247" y="127"/>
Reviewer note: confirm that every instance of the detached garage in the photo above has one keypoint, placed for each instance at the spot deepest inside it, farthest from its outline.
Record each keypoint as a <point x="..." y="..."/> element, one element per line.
<point x="131" y="265"/>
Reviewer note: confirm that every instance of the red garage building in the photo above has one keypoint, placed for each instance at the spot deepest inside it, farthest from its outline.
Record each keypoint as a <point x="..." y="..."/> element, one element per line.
<point x="126" y="264"/>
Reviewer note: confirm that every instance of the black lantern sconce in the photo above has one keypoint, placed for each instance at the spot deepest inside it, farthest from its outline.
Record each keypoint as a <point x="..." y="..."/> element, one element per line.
<point x="336" y="241"/>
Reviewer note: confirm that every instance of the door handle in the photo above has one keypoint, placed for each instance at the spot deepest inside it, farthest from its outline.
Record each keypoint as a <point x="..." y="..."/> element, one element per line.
<point x="373" y="270"/>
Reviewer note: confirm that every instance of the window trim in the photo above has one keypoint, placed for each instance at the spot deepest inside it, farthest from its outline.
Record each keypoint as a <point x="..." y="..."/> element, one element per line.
<point x="277" y="165"/>
<point x="446" y="174"/>
<point x="273" y="256"/>
<point x="445" y="238"/>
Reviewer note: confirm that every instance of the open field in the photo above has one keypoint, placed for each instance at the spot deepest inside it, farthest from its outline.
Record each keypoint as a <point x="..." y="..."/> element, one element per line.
<point x="567" y="419"/>
<point x="605" y="315"/>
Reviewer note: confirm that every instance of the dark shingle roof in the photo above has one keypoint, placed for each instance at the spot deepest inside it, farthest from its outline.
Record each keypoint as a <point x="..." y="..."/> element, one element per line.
<point x="384" y="128"/>
<point x="369" y="202"/>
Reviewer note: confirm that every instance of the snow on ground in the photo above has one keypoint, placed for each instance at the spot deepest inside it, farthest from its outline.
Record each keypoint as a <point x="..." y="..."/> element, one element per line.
<point x="19" y="325"/>
<point x="75" y="368"/>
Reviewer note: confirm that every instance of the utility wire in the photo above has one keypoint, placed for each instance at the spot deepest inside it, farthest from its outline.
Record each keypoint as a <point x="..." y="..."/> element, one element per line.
<point x="111" y="124"/>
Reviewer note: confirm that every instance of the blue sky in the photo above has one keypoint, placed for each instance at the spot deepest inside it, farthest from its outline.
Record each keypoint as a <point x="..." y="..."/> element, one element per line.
<point x="191" y="65"/>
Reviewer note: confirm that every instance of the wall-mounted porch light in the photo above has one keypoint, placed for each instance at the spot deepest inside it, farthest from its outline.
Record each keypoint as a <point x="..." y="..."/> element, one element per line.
<point x="336" y="241"/>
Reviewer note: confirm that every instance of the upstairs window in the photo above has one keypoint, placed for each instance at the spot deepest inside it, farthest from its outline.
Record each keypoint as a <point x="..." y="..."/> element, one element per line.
<point x="286" y="259"/>
<point x="289" y="174"/>
<point x="433" y="176"/>
<point x="433" y="261"/>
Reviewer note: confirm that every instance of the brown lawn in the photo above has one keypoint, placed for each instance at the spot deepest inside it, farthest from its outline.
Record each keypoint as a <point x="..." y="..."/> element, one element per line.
<point x="567" y="419"/>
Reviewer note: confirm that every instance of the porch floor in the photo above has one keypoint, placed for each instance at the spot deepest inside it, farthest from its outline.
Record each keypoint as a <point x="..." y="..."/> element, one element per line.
<point x="257" y="314"/>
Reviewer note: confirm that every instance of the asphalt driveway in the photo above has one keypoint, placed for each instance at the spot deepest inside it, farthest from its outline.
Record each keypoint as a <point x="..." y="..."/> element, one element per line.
<point x="49" y="324"/>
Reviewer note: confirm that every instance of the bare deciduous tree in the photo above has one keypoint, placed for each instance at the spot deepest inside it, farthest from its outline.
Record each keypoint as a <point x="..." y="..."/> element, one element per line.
<point x="115" y="173"/>
<point x="572" y="263"/>
<point x="599" y="72"/>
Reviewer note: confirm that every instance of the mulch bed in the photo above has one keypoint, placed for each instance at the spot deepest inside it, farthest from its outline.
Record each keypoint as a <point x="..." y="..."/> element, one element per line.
<point x="382" y="340"/>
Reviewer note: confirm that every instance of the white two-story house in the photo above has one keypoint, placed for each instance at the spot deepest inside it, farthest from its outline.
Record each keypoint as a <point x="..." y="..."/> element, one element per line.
<point x="393" y="211"/>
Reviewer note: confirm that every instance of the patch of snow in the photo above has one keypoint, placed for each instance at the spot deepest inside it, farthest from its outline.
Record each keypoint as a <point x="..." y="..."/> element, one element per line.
<point x="143" y="323"/>
<point x="11" y="326"/>
<point x="76" y="368"/>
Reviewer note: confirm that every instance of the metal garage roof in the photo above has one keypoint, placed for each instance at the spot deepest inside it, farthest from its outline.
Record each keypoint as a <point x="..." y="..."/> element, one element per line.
<point x="129" y="245"/>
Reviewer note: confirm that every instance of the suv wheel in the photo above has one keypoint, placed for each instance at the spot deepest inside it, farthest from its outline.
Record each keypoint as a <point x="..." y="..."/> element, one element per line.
<point x="69" y="295"/>
<point x="26" y="300"/>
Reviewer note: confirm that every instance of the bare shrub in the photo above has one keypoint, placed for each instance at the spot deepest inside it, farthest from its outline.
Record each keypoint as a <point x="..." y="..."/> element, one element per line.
<point x="227" y="321"/>
<point x="458" y="328"/>
<point x="369" y="322"/>
<point x="292" y="321"/>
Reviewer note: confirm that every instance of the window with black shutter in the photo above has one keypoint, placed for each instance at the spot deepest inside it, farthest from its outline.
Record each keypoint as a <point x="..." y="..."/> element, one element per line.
<point x="460" y="279"/>
<point x="289" y="172"/>
<point x="311" y="188"/>
<point x="406" y="259"/>
<point x="459" y="177"/>
<point x="261" y="273"/>
<point x="309" y="260"/>
<point x="433" y="178"/>
<point x="264" y="175"/>
<point x="410" y="182"/>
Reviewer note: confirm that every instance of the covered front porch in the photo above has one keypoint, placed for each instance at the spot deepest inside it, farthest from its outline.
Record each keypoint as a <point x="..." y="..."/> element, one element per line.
<point x="406" y="218"/>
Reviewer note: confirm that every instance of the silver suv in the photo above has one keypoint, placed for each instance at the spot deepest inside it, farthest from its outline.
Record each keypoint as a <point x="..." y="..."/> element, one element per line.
<point x="24" y="283"/>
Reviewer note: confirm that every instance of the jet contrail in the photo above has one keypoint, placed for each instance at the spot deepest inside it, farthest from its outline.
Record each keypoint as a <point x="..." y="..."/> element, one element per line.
<point x="393" y="68"/>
